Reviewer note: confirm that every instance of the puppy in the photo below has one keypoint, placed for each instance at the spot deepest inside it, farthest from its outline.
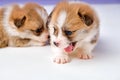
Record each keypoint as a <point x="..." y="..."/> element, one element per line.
<point x="23" y="25"/>
<point x="74" y="27"/>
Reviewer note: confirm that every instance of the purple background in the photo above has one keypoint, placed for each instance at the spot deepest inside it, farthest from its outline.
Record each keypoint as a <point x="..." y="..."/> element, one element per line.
<point x="47" y="2"/>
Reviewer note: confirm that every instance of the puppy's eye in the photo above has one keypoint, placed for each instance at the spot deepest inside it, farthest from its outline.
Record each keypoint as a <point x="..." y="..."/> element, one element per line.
<point x="68" y="33"/>
<point x="38" y="30"/>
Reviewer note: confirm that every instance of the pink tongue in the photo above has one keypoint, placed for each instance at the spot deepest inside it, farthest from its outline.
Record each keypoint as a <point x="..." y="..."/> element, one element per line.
<point x="69" y="48"/>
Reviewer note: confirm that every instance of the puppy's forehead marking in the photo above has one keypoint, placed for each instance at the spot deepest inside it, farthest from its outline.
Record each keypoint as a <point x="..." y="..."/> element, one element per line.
<point x="61" y="18"/>
<point x="42" y="14"/>
<point x="21" y="5"/>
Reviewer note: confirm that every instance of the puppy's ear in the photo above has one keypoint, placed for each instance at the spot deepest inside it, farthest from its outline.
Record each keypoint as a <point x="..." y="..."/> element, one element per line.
<point x="86" y="18"/>
<point x="19" y="22"/>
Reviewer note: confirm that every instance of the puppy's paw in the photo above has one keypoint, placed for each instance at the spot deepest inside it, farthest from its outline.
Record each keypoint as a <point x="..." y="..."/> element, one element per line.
<point x="84" y="56"/>
<point x="61" y="59"/>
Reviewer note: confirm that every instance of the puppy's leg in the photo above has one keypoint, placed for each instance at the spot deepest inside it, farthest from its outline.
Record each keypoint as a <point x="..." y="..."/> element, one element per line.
<point x="59" y="56"/>
<point x="3" y="38"/>
<point x="18" y="42"/>
<point x="85" y="52"/>
<point x="3" y="41"/>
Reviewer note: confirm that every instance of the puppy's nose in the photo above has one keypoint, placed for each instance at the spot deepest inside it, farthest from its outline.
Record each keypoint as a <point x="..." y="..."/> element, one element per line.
<point x="56" y="44"/>
<point x="48" y="36"/>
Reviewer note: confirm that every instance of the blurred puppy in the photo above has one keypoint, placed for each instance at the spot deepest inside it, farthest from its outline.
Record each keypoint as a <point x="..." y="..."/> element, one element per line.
<point x="74" y="27"/>
<point x="23" y="25"/>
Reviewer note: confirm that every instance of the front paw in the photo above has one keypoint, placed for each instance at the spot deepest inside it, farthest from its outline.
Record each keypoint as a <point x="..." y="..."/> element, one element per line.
<point x="61" y="59"/>
<point x="84" y="56"/>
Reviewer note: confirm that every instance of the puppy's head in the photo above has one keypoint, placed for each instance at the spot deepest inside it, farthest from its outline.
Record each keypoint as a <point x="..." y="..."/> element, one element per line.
<point x="70" y="23"/>
<point x="29" y="21"/>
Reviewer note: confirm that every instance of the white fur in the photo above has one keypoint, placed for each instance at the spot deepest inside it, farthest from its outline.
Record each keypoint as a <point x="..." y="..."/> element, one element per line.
<point x="59" y="56"/>
<point x="21" y="5"/>
<point x="60" y="22"/>
<point x="60" y="38"/>
<point x="83" y="37"/>
<point x="35" y="43"/>
<point x="11" y="30"/>
<point x="7" y="27"/>
<point x="61" y="18"/>
<point x="42" y="14"/>
<point x="77" y="2"/>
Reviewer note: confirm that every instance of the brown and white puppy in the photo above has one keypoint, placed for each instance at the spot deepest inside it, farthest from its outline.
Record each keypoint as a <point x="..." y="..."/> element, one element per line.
<point x="23" y="25"/>
<point x="74" y="27"/>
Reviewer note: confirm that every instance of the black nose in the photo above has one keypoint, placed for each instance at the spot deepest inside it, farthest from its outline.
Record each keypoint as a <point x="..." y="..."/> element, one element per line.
<point x="48" y="36"/>
<point x="56" y="44"/>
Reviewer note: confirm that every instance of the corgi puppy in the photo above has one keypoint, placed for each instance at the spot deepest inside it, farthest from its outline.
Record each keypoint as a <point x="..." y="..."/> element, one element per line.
<point x="23" y="25"/>
<point x="74" y="28"/>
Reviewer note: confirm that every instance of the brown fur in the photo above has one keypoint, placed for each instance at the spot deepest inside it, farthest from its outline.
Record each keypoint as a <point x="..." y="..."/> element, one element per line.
<point x="75" y="20"/>
<point x="78" y="31"/>
<point x="56" y="30"/>
<point x="72" y="18"/>
<point x="94" y="39"/>
<point x="18" y="42"/>
<point x="3" y="35"/>
<point x="33" y="20"/>
<point x="25" y="18"/>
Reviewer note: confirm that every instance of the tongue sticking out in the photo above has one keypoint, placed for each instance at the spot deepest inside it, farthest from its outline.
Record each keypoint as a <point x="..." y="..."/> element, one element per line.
<point x="69" y="48"/>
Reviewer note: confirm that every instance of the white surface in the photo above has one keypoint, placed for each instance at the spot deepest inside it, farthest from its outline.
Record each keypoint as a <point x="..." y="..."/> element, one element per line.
<point x="34" y="63"/>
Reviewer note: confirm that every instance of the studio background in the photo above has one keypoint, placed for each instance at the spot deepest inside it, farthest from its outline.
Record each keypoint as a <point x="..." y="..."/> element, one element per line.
<point x="34" y="63"/>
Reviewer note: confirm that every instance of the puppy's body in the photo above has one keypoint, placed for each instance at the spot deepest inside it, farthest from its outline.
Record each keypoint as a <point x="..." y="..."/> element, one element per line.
<point x="3" y="34"/>
<point x="23" y="25"/>
<point x="74" y="27"/>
